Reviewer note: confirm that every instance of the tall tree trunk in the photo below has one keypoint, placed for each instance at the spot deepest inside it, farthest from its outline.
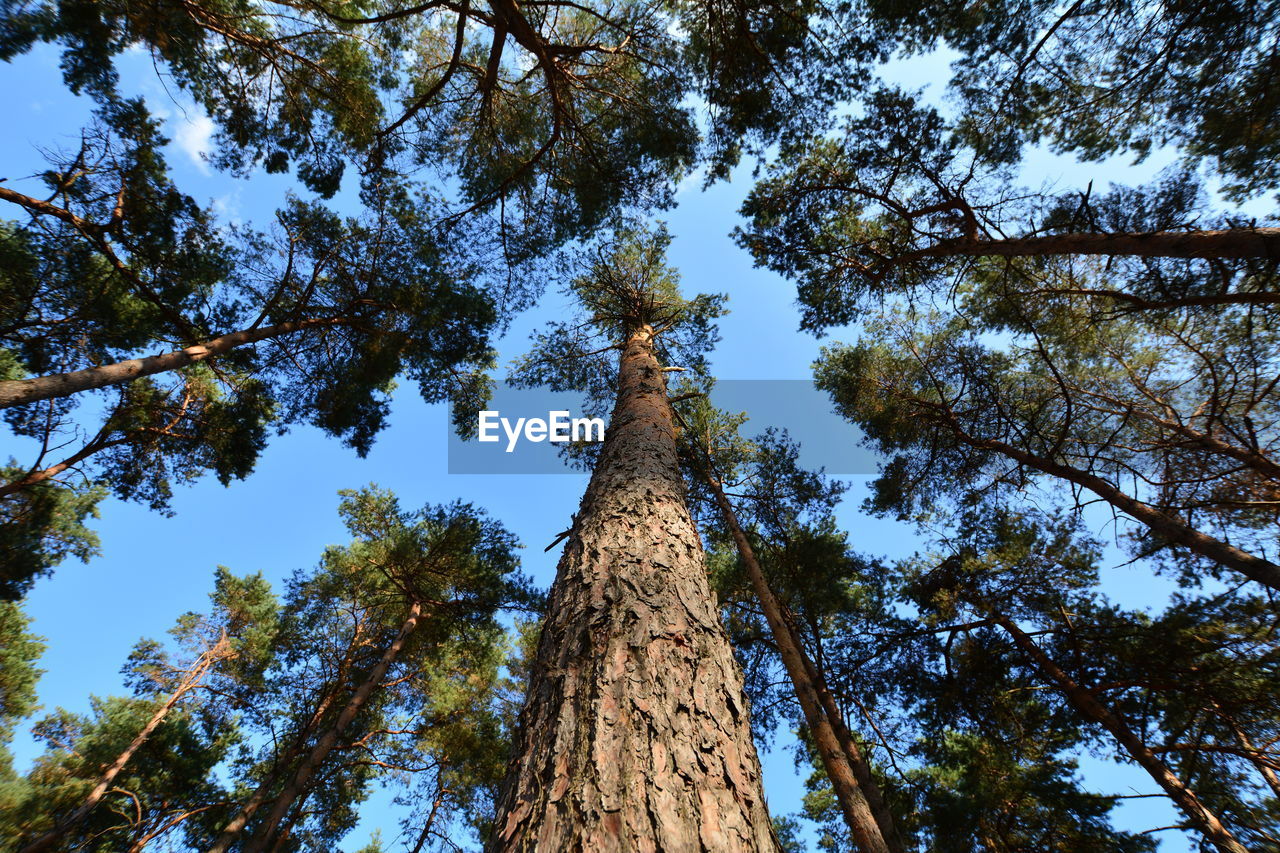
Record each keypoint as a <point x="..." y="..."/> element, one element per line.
<point x="18" y="392"/>
<point x="1092" y="709"/>
<point x="190" y="681"/>
<point x="634" y="733"/>
<point x="303" y="776"/>
<point x="860" y="798"/>
<point x="861" y="769"/>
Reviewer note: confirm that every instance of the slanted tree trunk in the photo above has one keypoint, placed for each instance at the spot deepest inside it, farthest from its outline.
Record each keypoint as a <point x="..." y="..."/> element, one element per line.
<point x="861" y="769"/>
<point x="634" y="733"/>
<point x="98" y="443"/>
<point x="860" y="798"/>
<point x="1168" y="526"/>
<point x="1255" y="757"/>
<point x="190" y="681"/>
<point x="303" y="776"/>
<point x="1092" y="709"/>
<point x="18" y="392"/>
<point x="262" y="794"/>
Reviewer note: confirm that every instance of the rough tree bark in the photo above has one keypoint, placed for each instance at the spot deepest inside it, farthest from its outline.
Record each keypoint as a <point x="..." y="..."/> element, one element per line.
<point x="1092" y="709"/>
<point x="860" y="798"/>
<point x="634" y="734"/>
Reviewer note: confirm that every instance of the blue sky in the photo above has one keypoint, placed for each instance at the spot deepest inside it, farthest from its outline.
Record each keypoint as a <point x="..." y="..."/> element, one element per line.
<point x="279" y="519"/>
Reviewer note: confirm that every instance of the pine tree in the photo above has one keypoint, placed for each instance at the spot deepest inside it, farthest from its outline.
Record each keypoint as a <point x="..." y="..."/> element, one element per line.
<point x="384" y="663"/>
<point x="379" y="660"/>
<point x="971" y="757"/>
<point x="482" y="138"/>
<point x="1180" y="445"/>
<point x="19" y="651"/>
<point x="139" y="767"/>
<point x="139" y="267"/>
<point x="635" y="732"/>
<point x="1031" y="581"/>
<point x="895" y="205"/>
<point x="40" y="527"/>
<point x="1096" y="80"/>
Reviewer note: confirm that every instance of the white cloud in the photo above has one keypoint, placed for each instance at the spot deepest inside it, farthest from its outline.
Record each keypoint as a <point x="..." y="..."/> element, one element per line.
<point x="692" y="182"/>
<point x="227" y="208"/>
<point x="193" y="136"/>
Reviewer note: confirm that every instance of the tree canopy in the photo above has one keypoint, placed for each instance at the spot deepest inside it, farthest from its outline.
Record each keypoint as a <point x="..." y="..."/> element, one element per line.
<point x="1033" y="362"/>
<point x="476" y="140"/>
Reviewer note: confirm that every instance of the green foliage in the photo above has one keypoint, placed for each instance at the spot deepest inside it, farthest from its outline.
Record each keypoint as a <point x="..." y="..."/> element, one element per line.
<point x="1192" y="680"/>
<point x="170" y="773"/>
<point x="566" y="111"/>
<point x="771" y="71"/>
<point x="394" y="297"/>
<point x="485" y="140"/>
<point x="19" y="651"/>
<point x="1098" y="79"/>
<point x="985" y="795"/>
<point x="482" y="142"/>
<point x="983" y="748"/>
<point x="169" y="783"/>
<point x="788" y="831"/>
<point x="829" y="212"/>
<point x="625" y="287"/>
<point x="1142" y="402"/>
<point x="433" y="726"/>
<point x="277" y="674"/>
<point x="413" y="303"/>
<point x="894" y="208"/>
<point x="41" y="526"/>
<point x="970" y="752"/>
<point x="471" y="739"/>
<point x="375" y="844"/>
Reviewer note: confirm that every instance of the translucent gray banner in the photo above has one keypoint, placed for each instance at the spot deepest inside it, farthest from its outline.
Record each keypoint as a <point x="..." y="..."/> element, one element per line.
<point x="523" y="431"/>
